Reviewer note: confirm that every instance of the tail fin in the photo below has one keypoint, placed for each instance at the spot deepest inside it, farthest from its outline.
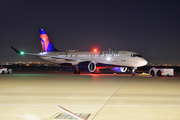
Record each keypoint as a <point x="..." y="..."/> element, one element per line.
<point x="47" y="46"/>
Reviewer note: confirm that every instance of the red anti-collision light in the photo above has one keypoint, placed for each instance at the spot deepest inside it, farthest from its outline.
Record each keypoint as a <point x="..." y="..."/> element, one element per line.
<point x="95" y="50"/>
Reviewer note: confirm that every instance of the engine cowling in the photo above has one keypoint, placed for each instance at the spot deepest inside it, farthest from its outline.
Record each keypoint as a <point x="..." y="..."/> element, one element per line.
<point x="87" y="66"/>
<point x="119" y="69"/>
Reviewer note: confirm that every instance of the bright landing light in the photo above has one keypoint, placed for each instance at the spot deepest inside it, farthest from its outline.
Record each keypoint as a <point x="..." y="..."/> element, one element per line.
<point x="108" y="58"/>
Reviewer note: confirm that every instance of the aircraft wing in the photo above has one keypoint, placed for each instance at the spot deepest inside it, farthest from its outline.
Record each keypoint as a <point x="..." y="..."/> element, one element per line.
<point x="44" y="55"/>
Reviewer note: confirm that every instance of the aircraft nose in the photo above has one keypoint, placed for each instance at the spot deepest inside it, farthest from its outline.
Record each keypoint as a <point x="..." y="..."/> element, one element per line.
<point x="145" y="62"/>
<point x="142" y="62"/>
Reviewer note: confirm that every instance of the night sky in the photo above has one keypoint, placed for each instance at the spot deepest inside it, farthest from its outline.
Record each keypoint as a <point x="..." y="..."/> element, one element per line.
<point x="148" y="27"/>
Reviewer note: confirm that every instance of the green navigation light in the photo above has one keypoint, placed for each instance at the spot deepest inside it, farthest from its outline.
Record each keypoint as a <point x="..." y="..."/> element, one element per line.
<point x="22" y="53"/>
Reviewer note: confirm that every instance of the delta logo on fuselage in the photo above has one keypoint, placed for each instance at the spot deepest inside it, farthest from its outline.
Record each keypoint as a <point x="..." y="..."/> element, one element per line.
<point x="109" y="52"/>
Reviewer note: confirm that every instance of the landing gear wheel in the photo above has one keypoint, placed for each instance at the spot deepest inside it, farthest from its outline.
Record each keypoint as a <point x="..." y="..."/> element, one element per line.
<point x="79" y="72"/>
<point x="97" y="71"/>
<point x="133" y="74"/>
<point x="76" y="71"/>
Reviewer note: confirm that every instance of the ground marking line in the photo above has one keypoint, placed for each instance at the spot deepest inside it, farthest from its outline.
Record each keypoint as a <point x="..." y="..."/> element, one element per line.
<point x="111" y="97"/>
<point x="70" y="113"/>
<point x="96" y="105"/>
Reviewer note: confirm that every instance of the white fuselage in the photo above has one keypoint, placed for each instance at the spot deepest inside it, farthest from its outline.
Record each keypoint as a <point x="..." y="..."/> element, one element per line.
<point x="120" y="58"/>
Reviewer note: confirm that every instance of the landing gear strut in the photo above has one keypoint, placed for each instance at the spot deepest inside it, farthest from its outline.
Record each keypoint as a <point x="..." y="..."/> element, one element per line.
<point x="133" y="71"/>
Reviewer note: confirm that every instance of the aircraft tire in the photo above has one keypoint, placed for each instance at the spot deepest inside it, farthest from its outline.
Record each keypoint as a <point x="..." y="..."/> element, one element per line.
<point x="97" y="71"/>
<point x="133" y="74"/>
<point x="76" y="71"/>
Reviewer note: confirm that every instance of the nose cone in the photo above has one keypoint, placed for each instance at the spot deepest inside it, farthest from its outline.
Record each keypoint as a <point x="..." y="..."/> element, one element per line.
<point x="142" y="62"/>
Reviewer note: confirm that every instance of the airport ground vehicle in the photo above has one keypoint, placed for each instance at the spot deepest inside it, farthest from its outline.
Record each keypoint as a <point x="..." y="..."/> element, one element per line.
<point x="161" y="72"/>
<point x="5" y="70"/>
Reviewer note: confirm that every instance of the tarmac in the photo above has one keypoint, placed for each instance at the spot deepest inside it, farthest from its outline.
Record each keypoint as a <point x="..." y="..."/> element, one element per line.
<point x="102" y="96"/>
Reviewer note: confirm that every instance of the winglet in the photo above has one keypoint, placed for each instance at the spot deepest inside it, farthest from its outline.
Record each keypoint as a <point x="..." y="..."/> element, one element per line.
<point x="19" y="52"/>
<point x="15" y="50"/>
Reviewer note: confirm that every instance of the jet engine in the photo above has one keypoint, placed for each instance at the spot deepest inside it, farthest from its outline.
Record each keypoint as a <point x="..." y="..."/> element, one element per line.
<point x="119" y="69"/>
<point x="87" y="66"/>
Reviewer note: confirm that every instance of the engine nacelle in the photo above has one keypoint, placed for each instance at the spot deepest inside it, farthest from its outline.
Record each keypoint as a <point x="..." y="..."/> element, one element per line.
<point x="119" y="69"/>
<point x="87" y="66"/>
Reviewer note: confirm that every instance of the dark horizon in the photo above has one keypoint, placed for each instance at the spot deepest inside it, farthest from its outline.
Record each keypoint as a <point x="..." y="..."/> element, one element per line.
<point x="150" y="28"/>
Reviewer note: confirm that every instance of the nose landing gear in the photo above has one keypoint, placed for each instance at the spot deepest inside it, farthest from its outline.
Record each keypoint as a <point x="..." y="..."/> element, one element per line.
<point x="133" y="71"/>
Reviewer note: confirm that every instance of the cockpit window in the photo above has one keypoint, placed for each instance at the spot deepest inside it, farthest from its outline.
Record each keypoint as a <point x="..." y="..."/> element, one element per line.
<point x="135" y="55"/>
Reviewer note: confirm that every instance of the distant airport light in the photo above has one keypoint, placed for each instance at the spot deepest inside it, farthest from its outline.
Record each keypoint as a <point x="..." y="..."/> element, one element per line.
<point x="22" y="53"/>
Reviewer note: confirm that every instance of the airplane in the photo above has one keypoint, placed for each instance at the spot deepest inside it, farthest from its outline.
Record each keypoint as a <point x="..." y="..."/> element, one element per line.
<point x="92" y="61"/>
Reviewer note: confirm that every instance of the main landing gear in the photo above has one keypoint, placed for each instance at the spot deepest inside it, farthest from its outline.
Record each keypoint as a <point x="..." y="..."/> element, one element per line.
<point x="97" y="71"/>
<point x="76" y="71"/>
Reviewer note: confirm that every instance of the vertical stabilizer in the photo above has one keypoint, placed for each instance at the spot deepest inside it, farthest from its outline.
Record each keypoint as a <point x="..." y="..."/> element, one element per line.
<point x="47" y="46"/>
